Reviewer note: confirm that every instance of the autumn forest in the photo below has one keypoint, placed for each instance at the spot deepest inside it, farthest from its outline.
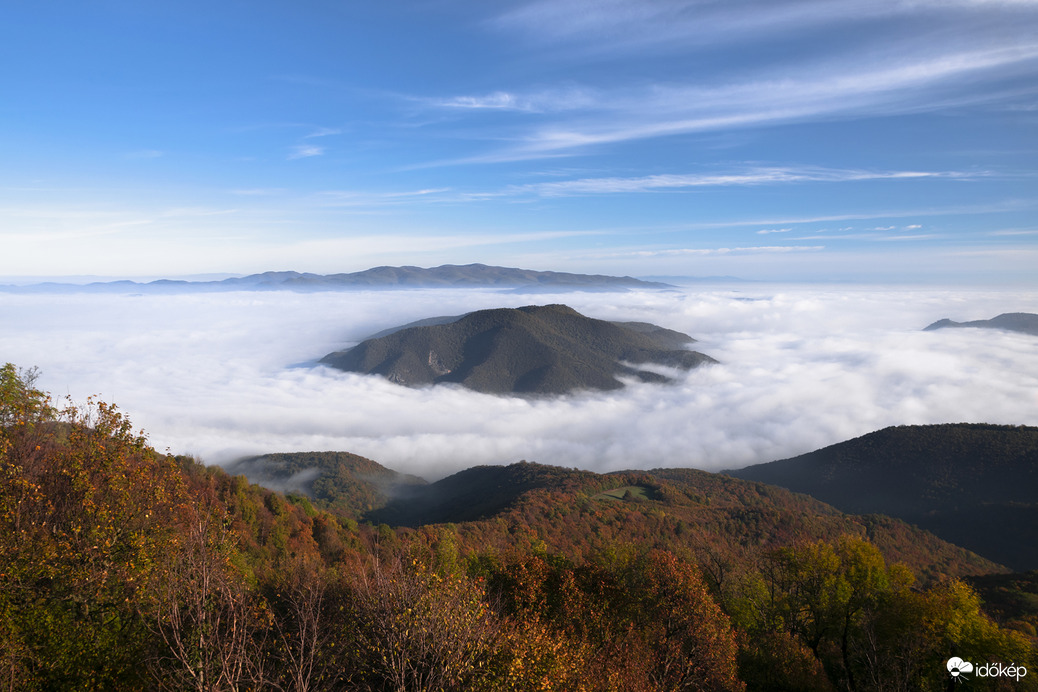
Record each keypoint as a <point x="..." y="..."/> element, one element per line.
<point x="123" y="568"/>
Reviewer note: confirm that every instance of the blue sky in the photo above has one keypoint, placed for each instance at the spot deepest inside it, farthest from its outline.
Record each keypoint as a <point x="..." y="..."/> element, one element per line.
<point x="887" y="141"/>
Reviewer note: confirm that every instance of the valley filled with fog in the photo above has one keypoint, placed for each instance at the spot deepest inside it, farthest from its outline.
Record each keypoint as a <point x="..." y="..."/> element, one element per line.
<point x="223" y="375"/>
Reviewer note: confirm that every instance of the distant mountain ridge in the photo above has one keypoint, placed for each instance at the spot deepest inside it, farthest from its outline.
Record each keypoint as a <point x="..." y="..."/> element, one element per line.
<point x="549" y="349"/>
<point x="974" y="485"/>
<point x="444" y="276"/>
<point x="1025" y="322"/>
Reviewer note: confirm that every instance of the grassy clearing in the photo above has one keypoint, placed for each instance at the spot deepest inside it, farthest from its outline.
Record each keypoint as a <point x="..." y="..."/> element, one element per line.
<point x="628" y="493"/>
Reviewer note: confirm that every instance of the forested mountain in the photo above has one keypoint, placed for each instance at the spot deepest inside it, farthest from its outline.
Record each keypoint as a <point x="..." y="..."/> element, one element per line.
<point x="125" y="569"/>
<point x="671" y="508"/>
<point x="973" y="485"/>
<point x="347" y="481"/>
<point x="445" y="276"/>
<point x="1024" y="322"/>
<point x="549" y="349"/>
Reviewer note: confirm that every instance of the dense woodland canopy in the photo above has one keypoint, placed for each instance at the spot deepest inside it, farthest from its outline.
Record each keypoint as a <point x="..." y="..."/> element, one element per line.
<point x="125" y="569"/>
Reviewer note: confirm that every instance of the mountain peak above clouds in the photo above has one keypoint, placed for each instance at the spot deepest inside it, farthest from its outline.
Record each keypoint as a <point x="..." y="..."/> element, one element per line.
<point x="1024" y="322"/>
<point x="550" y="349"/>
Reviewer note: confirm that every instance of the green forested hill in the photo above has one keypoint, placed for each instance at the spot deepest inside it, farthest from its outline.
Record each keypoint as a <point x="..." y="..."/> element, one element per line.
<point x="349" y="482"/>
<point x="578" y="510"/>
<point x="974" y="485"/>
<point x="476" y="493"/>
<point x="675" y="509"/>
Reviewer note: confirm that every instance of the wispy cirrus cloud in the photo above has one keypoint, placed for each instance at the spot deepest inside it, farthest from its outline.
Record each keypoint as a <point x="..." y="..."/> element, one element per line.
<point x="885" y="89"/>
<point x="660" y="183"/>
<point x="548" y="101"/>
<point x="679" y="252"/>
<point x="303" y="151"/>
<point x="323" y="132"/>
<point x="875" y="235"/>
<point x="883" y="82"/>
<point x="498" y="100"/>
<point x="752" y="176"/>
<point x="676" y="24"/>
<point x="1014" y="232"/>
<point x="359" y="198"/>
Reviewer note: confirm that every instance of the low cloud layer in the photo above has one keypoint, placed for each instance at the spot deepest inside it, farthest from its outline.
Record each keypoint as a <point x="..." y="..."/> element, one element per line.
<point x="226" y="375"/>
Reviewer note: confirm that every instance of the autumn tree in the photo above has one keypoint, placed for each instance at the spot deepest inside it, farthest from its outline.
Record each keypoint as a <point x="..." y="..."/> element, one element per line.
<point x="861" y="620"/>
<point x="204" y="613"/>
<point x="311" y="618"/>
<point x="421" y="630"/>
<point x="83" y="501"/>
<point x="643" y="620"/>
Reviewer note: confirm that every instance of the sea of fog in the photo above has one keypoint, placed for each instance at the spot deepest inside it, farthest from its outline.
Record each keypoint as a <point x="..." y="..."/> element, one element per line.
<point x="221" y="375"/>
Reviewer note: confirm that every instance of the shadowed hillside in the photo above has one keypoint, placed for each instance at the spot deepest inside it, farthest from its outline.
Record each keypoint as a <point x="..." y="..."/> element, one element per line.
<point x="532" y="350"/>
<point x="475" y="493"/>
<point x="973" y="485"/>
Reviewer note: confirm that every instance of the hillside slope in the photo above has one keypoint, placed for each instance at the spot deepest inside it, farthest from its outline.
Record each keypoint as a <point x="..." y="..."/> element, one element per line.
<point x="974" y="485"/>
<point x="727" y="519"/>
<point x="549" y="349"/>
<point x="125" y="569"/>
<point x="338" y="479"/>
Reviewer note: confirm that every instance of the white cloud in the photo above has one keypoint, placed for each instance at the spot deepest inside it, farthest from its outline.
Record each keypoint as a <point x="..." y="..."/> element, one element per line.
<point x="533" y="102"/>
<point x="890" y="82"/>
<point x="638" y="25"/>
<point x="302" y="151"/>
<point x="801" y="368"/>
<point x="875" y="234"/>
<point x="358" y="198"/>
<point x="753" y="176"/>
<point x="1014" y="232"/>
<point x="324" y="132"/>
<point x="917" y="236"/>
<point x="672" y="252"/>
<point x="498" y="100"/>
<point x="766" y="231"/>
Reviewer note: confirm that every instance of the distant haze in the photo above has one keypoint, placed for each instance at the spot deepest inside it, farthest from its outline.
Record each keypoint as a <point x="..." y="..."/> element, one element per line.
<point x="225" y="375"/>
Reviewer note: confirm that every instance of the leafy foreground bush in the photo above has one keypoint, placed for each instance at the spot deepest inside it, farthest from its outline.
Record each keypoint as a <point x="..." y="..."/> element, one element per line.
<point x="125" y="569"/>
